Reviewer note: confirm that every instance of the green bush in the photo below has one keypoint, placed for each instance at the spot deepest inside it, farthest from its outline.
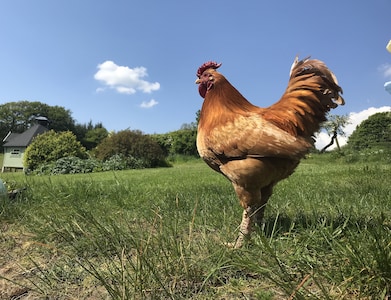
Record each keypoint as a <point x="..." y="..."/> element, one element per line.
<point x="349" y="155"/>
<point x="119" y="162"/>
<point x="180" y="142"/>
<point x="114" y="163"/>
<point x="73" y="165"/>
<point x="51" y="146"/>
<point x="134" y="146"/>
<point x="68" y="165"/>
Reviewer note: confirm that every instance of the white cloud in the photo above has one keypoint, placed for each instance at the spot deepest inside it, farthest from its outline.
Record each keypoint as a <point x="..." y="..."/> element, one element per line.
<point x="149" y="104"/>
<point x="386" y="70"/>
<point x="124" y="79"/>
<point x="355" y="118"/>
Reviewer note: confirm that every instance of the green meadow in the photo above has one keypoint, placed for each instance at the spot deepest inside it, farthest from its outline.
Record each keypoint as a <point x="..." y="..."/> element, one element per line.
<point x="161" y="234"/>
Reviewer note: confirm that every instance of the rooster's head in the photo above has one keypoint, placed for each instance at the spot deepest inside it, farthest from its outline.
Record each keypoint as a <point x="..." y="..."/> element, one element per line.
<point x="205" y="77"/>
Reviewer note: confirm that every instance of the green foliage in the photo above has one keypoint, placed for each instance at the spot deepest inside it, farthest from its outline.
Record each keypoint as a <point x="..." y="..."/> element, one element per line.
<point x="335" y="123"/>
<point x="184" y="142"/>
<point x="94" y="137"/>
<point x="75" y="165"/>
<point x="120" y="162"/>
<point x="377" y="154"/>
<point x="51" y="146"/>
<point x="115" y="163"/>
<point x="372" y="132"/>
<point x="68" y="165"/>
<point x="180" y="142"/>
<point x="19" y="116"/>
<point x="334" y="126"/>
<point x="131" y="144"/>
<point x="90" y="135"/>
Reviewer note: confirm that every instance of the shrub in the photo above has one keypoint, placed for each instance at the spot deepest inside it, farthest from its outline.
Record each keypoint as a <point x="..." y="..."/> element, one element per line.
<point x="73" y="165"/>
<point x="116" y="162"/>
<point x="134" y="146"/>
<point x="51" y="146"/>
<point x="180" y="142"/>
<point x="69" y="165"/>
<point x="119" y="162"/>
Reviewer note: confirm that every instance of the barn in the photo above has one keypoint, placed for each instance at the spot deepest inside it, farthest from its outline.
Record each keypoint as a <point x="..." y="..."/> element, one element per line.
<point x="15" y="145"/>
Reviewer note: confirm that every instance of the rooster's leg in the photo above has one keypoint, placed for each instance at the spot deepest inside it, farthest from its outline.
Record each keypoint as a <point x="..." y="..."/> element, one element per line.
<point x="266" y="192"/>
<point x="259" y="216"/>
<point x="245" y="228"/>
<point x="253" y="205"/>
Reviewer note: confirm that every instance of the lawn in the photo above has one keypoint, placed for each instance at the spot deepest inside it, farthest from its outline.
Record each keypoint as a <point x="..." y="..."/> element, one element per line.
<point x="160" y="234"/>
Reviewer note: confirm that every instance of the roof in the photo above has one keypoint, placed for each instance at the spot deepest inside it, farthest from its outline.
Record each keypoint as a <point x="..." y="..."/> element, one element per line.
<point x="25" y="138"/>
<point x="10" y="136"/>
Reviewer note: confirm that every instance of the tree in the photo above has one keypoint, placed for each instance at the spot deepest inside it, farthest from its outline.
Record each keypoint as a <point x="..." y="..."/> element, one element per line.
<point x="191" y="126"/>
<point x="94" y="137"/>
<point x="19" y="116"/>
<point x="131" y="144"/>
<point x="51" y="146"/>
<point x="182" y="142"/>
<point x="372" y="132"/>
<point x="90" y="135"/>
<point x="334" y="127"/>
<point x="198" y="116"/>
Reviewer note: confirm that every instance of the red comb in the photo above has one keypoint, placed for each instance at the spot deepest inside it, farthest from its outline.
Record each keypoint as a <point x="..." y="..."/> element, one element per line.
<point x="207" y="65"/>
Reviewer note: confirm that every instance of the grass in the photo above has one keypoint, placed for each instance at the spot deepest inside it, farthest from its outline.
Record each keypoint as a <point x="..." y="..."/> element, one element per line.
<point x="160" y="234"/>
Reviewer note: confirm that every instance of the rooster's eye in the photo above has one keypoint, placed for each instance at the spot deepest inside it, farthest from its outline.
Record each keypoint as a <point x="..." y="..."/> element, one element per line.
<point x="207" y="75"/>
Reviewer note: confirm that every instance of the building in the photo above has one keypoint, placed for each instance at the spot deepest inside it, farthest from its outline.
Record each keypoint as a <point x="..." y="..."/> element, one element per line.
<point x="15" y="145"/>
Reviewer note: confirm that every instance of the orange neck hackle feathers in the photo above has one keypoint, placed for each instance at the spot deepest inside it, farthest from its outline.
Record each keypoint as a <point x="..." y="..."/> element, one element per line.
<point x="223" y="102"/>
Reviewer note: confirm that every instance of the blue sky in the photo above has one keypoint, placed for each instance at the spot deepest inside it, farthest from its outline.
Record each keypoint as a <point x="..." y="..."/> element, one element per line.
<point x="132" y="64"/>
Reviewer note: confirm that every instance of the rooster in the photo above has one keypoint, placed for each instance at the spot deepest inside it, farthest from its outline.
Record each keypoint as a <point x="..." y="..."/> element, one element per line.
<point x="254" y="147"/>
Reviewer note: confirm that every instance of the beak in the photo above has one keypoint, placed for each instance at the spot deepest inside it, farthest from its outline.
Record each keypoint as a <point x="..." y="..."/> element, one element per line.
<point x="198" y="81"/>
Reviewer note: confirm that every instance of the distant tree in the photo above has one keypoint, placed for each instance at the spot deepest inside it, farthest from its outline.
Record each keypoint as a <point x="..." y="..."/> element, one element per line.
<point x="51" y="146"/>
<point x="372" y="132"/>
<point x="164" y="140"/>
<point x="198" y="115"/>
<point x="94" y="137"/>
<point x="19" y="116"/>
<point x="131" y="144"/>
<point x="182" y="142"/>
<point x="334" y="127"/>
<point x="90" y="135"/>
<point x="60" y="118"/>
<point x="187" y="126"/>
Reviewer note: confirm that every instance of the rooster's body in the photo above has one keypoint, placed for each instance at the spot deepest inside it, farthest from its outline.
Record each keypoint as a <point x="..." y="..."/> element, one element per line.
<point x="257" y="147"/>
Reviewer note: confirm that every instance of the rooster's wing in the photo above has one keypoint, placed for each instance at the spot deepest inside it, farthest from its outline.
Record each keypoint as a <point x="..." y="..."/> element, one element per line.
<point x="251" y="136"/>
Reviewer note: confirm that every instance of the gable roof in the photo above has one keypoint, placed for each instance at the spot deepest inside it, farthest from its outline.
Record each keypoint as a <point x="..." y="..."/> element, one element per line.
<point x="25" y="138"/>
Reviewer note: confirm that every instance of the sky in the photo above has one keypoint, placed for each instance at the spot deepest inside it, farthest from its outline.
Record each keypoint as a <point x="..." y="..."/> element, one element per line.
<point x="132" y="64"/>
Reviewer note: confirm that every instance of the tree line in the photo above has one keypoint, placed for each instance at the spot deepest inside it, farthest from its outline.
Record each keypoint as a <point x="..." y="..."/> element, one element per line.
<point x="130" y="148"/>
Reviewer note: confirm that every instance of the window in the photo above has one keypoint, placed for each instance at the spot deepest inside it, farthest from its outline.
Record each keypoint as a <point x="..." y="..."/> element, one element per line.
<point x="15" y="153"/>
